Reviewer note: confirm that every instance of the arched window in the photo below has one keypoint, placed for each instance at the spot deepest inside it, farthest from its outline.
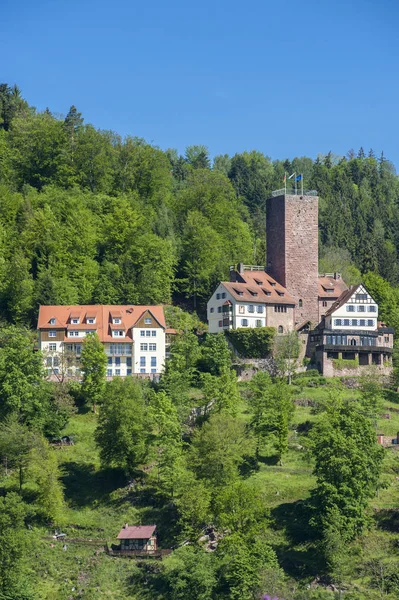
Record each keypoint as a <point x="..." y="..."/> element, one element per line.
<point x="353" y="342"/>
<point x="300" y="303"/>
<point x="280" y="329"/>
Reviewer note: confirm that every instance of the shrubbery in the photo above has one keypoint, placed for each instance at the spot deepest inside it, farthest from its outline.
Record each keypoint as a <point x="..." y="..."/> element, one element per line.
<point x="253" y="342"/>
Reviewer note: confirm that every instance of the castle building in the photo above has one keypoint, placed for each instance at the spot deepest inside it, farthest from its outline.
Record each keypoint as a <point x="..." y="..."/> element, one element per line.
<point x="350" y="336"/>
<point x="292" y="250"/>
<point x="135" y="338"/>
<point x="338" y="325"/>
<point x="252" y="298"/>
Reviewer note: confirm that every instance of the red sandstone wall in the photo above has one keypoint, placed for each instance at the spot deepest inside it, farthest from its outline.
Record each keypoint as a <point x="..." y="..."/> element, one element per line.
<point x="292" y="250"/>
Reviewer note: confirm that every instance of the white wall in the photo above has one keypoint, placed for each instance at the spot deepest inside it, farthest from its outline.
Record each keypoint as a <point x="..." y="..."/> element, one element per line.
<point x="360" y="309"/>
<point x="214" y="317"/>
<point x="158" y="354"/>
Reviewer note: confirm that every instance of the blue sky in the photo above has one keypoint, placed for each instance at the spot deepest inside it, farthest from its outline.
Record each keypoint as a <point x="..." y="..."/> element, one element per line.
<point x="284" y="77"/>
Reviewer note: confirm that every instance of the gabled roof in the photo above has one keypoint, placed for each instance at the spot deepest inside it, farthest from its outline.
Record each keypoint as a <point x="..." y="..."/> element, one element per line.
<point x="344" y="297"/>
<point x="140" y="532"/>
<point x="268" y="290"/>
<point x="336" y="287"/>
<point x="129" y="316"/>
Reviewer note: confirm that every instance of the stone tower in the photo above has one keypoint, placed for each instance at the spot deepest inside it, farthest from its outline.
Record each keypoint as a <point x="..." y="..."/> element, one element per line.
<point x="292" y="250"/>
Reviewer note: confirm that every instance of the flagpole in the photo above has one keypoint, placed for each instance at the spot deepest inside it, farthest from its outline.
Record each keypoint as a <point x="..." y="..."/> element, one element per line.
<point x="302" y="183"/>
<point x="295" y="184"/>
<point x="285" y="183"/>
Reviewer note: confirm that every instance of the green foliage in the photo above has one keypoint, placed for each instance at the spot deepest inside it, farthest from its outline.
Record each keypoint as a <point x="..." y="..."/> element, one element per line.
<point x="243" y="557"/>
<point x="93" y="362"/>
<point x="252" y="342"/>
<point x="218" y="449"/>
<point x="215" y="354"/>
<point x="120" y="435"/>
<point x="13" y="545"/>
<point x="21" y="377"/>
<point x="272" y="411"/>
<point x="347" y="467"/>
<point x="345" y="363"/>
<point x="189" y="573"/>
<point x="165" y="440"/>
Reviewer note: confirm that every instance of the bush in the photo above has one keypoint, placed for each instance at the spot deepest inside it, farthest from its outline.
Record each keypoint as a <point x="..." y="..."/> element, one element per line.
<point x="341" y="363"/>
<point x="253" y="342"/>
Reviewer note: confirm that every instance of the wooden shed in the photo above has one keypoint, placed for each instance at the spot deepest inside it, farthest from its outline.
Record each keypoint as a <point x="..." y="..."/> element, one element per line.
<point x="138" y="537"/>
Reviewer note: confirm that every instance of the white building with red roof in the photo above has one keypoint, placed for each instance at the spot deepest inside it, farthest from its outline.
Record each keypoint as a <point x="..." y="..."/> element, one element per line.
<point x="251" y="298"/>
<point x="134" y="337"/>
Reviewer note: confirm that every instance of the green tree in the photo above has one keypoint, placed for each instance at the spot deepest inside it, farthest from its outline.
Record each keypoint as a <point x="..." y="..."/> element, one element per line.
<point x="197" y="157"/>
<point x="44" y="471"/>
<point x="165" y="441"/>
<point x="13" y="545"/>
<point x="215" y="354"/>
<point x="347" y="467"/>
<point x="21" y="377"/>
<point x="242" y="560"/>
<point x="93" y="363"/>
<point x="189" y="573"/>
<point x="285" y="353"/>
<point x="218" y="449"/>
<point x="16" y="445"/>
<point x="240" y="507"/>
<point x="120" y="434"/>
<point x="193" y="501"/>
<point x="272" y="411"/>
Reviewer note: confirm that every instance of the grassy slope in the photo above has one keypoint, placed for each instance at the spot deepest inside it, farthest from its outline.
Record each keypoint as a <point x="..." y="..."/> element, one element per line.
<point x="98" y="503"/>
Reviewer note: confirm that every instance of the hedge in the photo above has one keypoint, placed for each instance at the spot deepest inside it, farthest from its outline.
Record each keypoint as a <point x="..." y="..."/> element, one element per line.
<point x="254" y="342"/>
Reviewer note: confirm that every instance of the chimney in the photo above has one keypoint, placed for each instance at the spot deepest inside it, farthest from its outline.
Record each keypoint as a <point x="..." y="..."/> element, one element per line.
<point x="125" y="526"/>
<point x="241" y="267"/>
<point x="337" y="276"/>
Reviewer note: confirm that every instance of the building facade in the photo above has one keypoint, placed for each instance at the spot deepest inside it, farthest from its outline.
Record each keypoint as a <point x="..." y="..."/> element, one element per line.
<point x="350" y="336"/>
<point x="331" y="286"/>
<point x="251" y="298"/>
<point x="134" y="338"/>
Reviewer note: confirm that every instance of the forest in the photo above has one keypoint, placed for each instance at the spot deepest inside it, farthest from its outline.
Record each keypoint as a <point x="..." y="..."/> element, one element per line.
<point x="263" y="489"/>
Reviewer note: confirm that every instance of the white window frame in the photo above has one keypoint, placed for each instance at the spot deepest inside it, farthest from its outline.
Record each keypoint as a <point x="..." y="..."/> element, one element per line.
<point x="148" y="320"/>
<point x="52" y="334"/>
<point x="52" y="347"/>
<point x="152" y="347"/>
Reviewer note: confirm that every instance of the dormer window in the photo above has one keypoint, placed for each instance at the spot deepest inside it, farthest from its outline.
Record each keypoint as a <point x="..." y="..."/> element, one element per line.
<point x="116" y="321"/>
<point x="267" y="292"/>
<point x="91" y="321"/>
<point x="258" y="282"/>
<point x="75" y="321"/>
<point x="118" y="333"/>
<point x="272" y="283"/>
<point x="280" y="293"/>
<point x="52" y="321"/>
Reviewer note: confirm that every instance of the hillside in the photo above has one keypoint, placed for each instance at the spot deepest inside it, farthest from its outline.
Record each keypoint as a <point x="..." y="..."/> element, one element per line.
<point x="260" y="489"/>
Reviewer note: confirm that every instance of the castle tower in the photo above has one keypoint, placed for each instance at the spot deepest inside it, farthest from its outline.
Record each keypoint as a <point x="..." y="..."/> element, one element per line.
<point x="292" y="250"/>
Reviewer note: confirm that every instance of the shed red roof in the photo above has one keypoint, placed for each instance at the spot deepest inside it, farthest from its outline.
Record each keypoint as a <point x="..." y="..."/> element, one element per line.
<point x="137" y="532"/>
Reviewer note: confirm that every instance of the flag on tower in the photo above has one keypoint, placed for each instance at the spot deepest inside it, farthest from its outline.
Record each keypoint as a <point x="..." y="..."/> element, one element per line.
<point x="299" y="178"/>
<point x="291" y="176"/>
<point x="285" y="177"/>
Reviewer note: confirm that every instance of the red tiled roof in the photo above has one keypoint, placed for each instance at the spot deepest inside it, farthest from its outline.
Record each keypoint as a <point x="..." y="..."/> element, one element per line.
<point x="129" y="315"/>
<point x="337" y="286"/>
<point x="171" y="331"/>
<point x="264" y="295"/>
<point x="140" y="532"/>
<point x="344" y="297"/>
